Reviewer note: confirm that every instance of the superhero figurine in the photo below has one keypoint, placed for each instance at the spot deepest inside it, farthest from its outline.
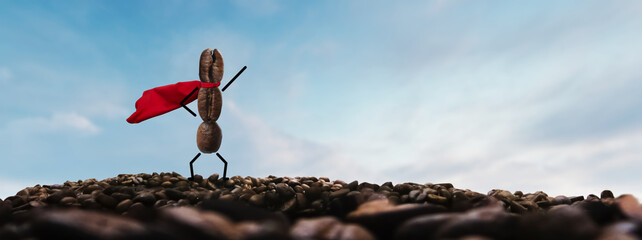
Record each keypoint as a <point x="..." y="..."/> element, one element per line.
<point x="161" y="100"/>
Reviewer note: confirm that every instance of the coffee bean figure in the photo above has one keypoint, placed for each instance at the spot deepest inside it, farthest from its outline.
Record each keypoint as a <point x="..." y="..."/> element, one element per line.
<point x="210" y="101"/>
<point x="160" y="100"/>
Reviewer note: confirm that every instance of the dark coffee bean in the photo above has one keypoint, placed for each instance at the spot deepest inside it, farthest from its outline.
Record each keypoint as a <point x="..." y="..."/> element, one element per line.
<point x="606" y="194"/>
<point x="78" y="224"/>
<point x="173" y="194"/>
<point x="285" y="191"/>
<point x="146" y="198"/>
<point x="353" y="185"/>
<point x="340" y="193"/>
<point x="106" y="200"/>
<point x="120" y="196"/>
<point x="562" y="222"/>
<point x="402" y="188"/>
<point x="90" y="204"/>
<point x="423" y="227"/>
<point x="58" y="195"/>
<point x="123" y="205"/>
<point x="67" y="201"/>
<point x="257" y="200"/>
<point x="577" y="199"/>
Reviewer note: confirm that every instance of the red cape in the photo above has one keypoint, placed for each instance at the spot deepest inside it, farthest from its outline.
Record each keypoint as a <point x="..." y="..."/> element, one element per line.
<point x="161" y="100"/>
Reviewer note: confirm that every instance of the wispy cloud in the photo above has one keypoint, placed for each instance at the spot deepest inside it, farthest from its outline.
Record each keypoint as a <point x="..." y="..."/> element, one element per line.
<point x="56" y="123"/>
<point x="273" y="152"/>
<point x="581" y="167"/>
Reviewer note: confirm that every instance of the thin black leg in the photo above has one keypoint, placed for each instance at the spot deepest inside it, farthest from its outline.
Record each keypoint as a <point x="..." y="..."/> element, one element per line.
<point x="225" y="167"/>
<point x="191" y="167"/>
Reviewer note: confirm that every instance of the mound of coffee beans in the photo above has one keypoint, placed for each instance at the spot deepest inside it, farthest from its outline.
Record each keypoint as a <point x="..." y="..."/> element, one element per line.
<point x="169" y="206"/>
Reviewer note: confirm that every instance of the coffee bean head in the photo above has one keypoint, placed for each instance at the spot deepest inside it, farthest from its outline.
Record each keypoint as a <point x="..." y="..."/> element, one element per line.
<point x="204" y="65"/>
<point x="216" y="72"/>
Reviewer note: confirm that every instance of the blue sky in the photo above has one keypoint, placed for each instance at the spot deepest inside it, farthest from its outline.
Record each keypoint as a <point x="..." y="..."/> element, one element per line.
<point x="519" y="96"/>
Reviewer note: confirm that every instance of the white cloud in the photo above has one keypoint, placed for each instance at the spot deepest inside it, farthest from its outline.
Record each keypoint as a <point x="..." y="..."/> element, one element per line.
<point x="576" y="168"/>
<point x="102" y="100"/>
<point x="73" y="121"/>
<point x="490" y="159"/>
<point x="57" y="122"/>
<point x="277" y="153"/>
<point x="580" y="167"/>
<point x="469" y="117"/>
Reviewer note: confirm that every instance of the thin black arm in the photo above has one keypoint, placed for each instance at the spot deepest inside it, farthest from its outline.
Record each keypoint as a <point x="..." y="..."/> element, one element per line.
<point x="234" y="78"/>
<point x="185" y="99"/>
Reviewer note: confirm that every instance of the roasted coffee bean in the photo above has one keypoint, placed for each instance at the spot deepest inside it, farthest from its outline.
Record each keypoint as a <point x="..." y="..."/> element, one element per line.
<point x="210" y="102"/>
<point x="208" y="137"/>
<point x="204" y="65"/>
<point x="216" y="71"/>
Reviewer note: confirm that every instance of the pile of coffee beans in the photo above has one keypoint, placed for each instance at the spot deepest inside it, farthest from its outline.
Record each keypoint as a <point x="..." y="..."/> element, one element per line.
<point x="169" y="206"/>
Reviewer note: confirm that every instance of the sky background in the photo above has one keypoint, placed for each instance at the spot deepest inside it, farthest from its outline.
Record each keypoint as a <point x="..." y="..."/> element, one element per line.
<point x="540" y="95"/>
